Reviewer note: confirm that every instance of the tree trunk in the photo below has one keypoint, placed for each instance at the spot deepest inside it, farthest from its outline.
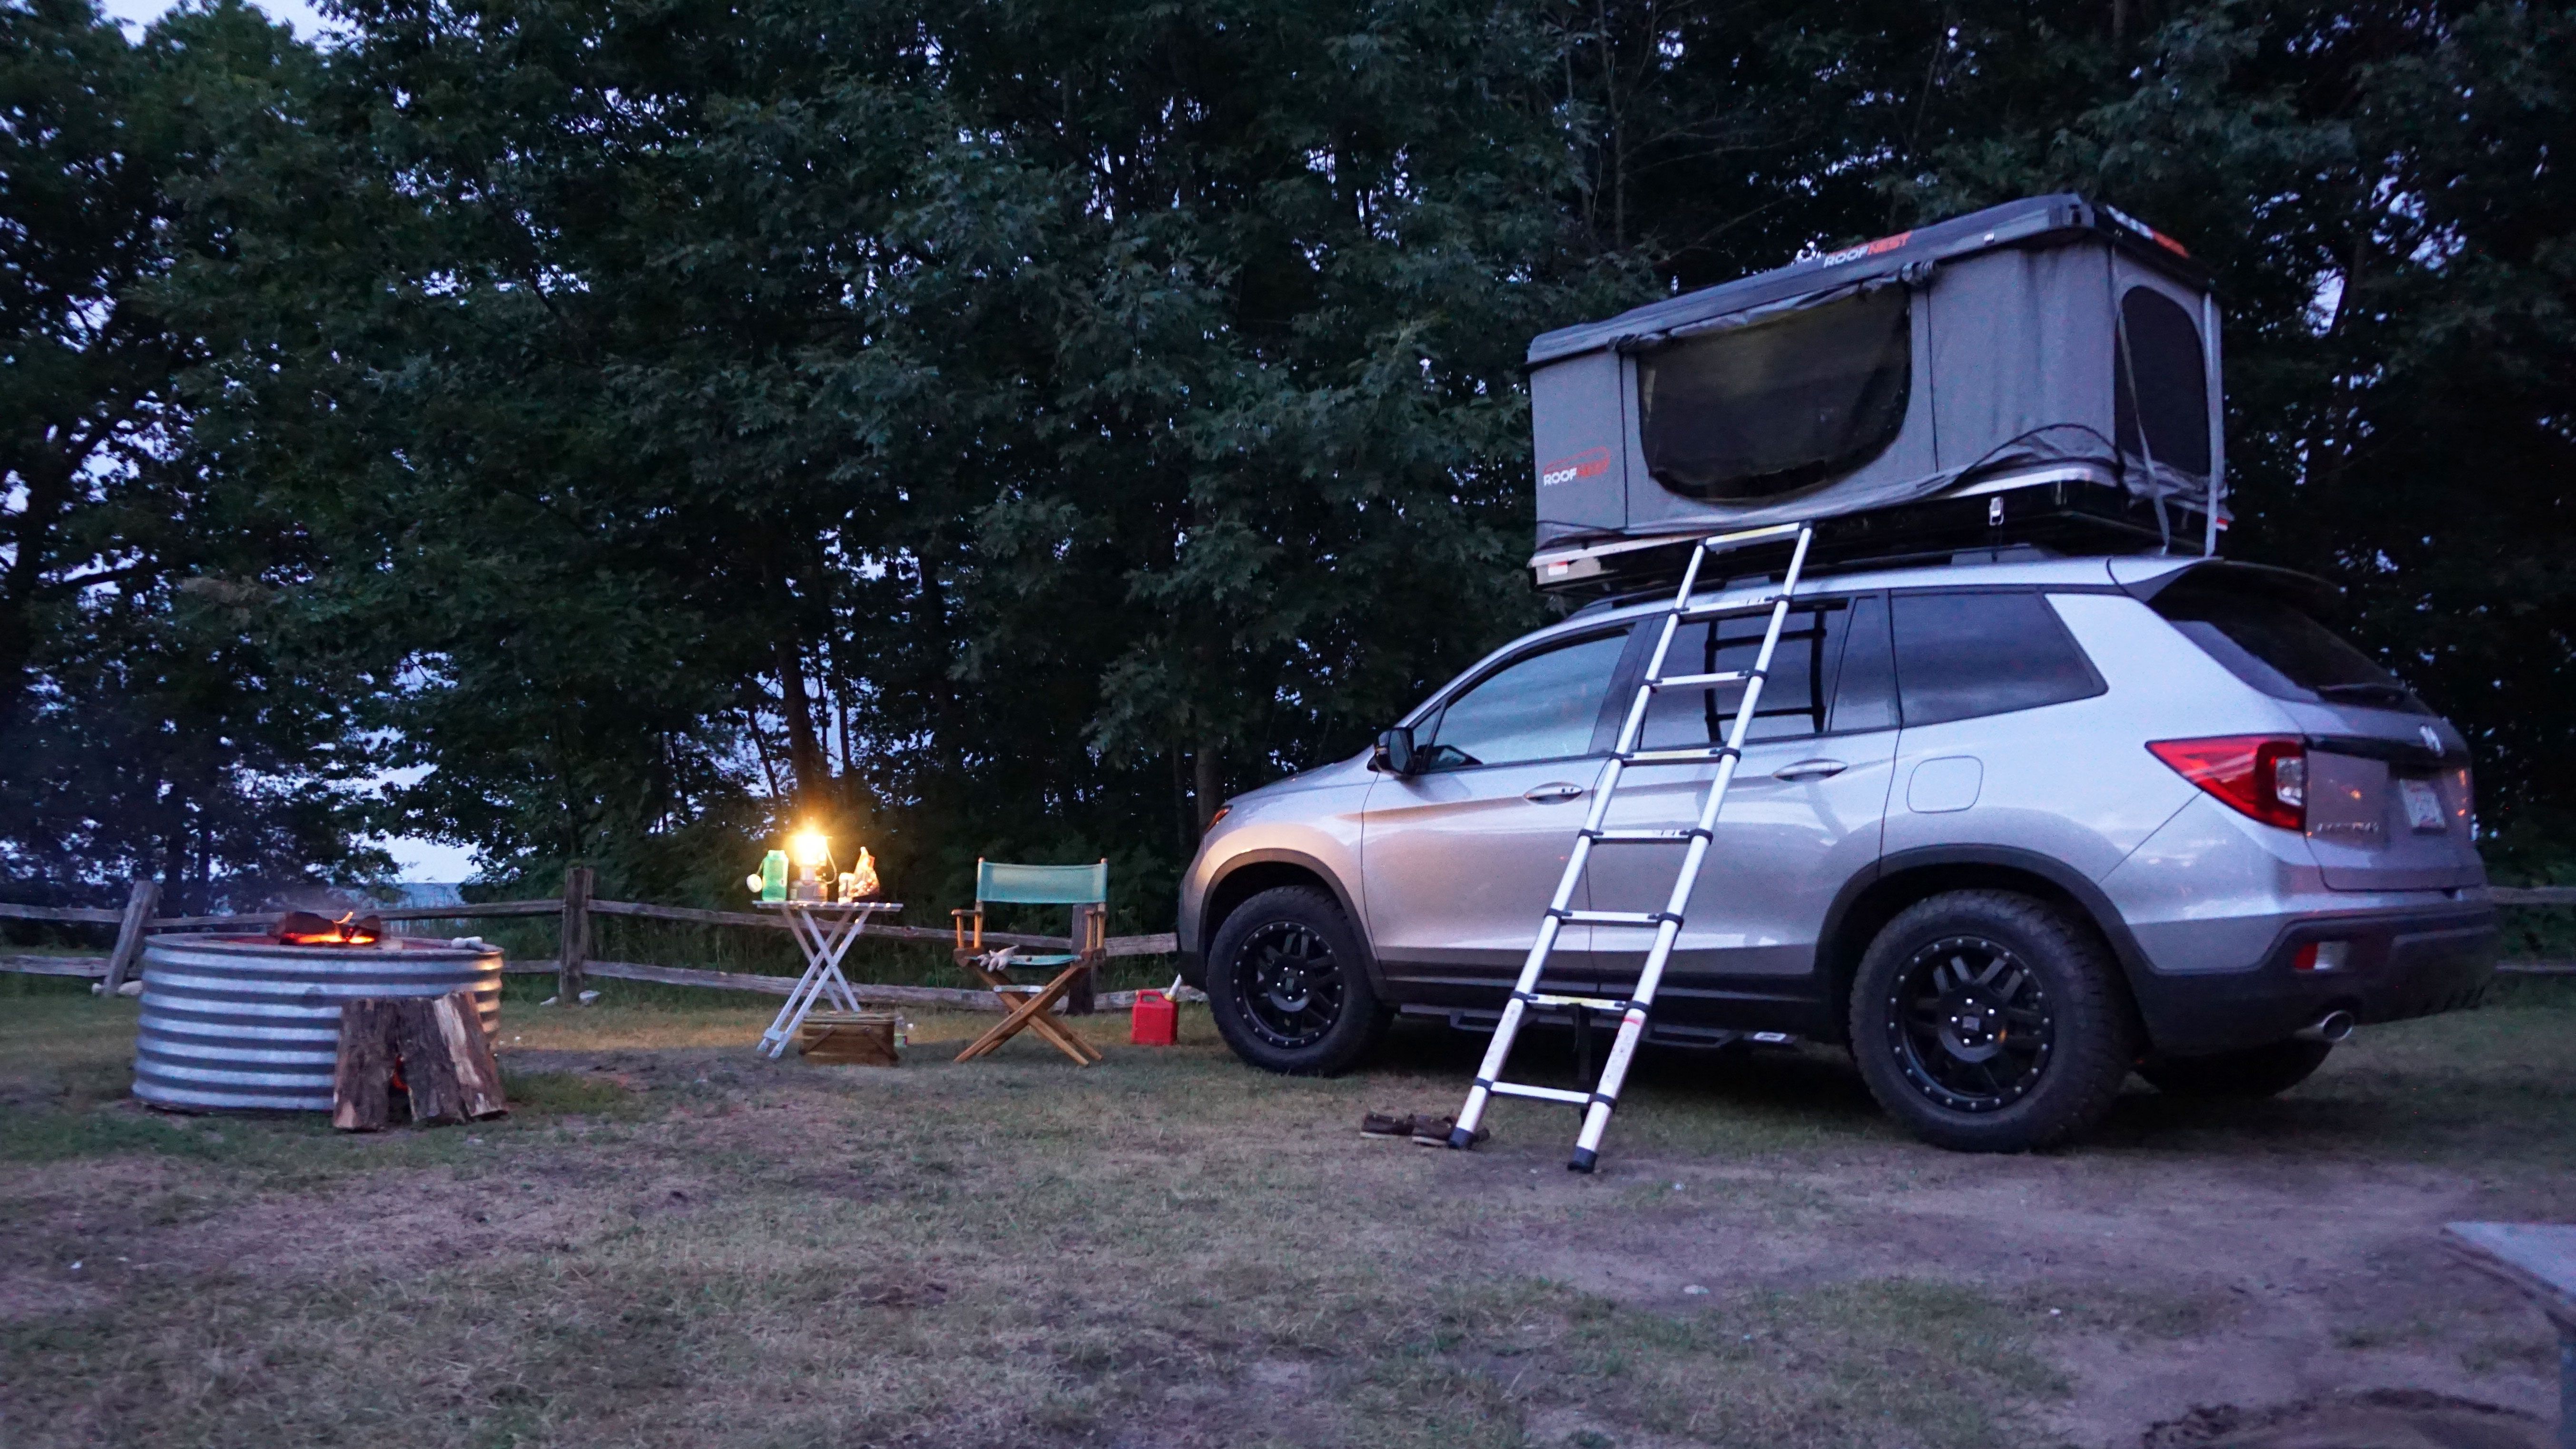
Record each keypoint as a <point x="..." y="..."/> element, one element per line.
<point x="1204" y="763"/>
<point x="805" y="758"/>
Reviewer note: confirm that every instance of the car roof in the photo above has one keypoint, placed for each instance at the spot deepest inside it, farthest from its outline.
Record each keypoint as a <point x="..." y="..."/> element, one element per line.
<point x="2129" y="571"/>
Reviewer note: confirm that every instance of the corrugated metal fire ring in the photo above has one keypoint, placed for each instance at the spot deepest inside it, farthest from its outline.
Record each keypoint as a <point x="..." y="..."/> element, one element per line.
<point x="242" y="1023"/>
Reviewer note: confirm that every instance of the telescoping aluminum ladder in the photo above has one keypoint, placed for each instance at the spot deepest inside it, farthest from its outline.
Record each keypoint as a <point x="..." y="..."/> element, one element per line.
<point x="1597" y="1104"/>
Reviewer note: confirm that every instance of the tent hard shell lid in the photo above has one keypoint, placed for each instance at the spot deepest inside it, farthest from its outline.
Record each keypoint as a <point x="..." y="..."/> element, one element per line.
<point x="2043" y="371"/>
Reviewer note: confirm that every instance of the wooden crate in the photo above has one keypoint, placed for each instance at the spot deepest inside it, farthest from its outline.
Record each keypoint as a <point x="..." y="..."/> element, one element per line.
<point x="843" y="1038"/>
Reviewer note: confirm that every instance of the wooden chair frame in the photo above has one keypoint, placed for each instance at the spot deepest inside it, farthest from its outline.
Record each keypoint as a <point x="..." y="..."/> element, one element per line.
<point x="1034" y="1005"/>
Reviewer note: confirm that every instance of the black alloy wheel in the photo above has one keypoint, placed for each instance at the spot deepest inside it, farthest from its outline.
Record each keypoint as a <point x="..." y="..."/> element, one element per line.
<point x="1991" y="1021"/>
<point x="1971" y="1024"/>
<point x="1290" y="986"/>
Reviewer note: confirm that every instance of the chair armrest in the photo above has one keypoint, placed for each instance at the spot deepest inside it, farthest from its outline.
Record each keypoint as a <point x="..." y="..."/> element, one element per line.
<point x="969" y="925"/>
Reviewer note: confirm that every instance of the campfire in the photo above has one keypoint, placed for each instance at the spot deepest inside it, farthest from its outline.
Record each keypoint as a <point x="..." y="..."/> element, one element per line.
<point x="304" y="928"/>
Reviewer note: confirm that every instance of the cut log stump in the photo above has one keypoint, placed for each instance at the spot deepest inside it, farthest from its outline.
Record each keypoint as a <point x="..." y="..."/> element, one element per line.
<point x="430" y="1049"/>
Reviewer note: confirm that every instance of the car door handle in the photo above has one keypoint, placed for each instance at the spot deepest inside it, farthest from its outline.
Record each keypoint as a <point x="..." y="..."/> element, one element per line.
<point x="1553" y="793"/>
<point x="1810" y="770"/>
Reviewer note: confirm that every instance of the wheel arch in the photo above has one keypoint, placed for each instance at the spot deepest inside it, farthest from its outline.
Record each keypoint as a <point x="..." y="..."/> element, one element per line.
<point x="1870" y="900"/>
<point x="1255" y="871"/>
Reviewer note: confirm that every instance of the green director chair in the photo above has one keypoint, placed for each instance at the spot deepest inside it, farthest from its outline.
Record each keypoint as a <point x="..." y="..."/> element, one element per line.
<point x="1083" y="887"/>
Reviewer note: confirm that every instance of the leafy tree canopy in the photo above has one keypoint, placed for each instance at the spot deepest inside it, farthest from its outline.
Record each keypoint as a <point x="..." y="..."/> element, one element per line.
<point x="1004" y="429"/>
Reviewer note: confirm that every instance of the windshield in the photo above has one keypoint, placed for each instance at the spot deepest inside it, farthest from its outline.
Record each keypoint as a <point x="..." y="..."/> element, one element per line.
<point x="2276" y="647"/>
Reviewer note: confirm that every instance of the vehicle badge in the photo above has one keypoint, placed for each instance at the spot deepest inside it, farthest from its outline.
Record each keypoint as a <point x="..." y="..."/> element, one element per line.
<point x="2432" y="738"/>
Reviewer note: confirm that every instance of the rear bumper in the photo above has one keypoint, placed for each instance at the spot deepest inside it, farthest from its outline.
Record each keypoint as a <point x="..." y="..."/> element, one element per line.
<point x="2397" y="965"/>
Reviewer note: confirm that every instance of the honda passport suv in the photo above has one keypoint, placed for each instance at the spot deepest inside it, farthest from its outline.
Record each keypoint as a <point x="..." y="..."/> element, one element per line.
<point x="2008" y="830"/>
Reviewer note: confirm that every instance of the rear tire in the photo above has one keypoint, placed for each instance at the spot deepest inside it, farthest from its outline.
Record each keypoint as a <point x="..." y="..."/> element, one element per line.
<point x="1288" y="988"/>
<point x="2246" y="1075"/>
<point x="1987" y="1021"/>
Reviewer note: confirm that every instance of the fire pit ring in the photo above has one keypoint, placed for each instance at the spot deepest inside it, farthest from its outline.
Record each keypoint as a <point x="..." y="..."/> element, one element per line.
<point x="249" y="1024"/>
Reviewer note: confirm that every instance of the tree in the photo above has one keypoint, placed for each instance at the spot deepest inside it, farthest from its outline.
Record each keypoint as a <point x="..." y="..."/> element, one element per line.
<point x="146" y="728"/>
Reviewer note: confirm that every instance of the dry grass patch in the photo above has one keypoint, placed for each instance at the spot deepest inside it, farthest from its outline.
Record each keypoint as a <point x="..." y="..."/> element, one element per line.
<point x="673" y="1242"/>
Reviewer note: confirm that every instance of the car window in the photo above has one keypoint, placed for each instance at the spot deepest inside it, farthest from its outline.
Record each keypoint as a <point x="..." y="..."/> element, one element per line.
<point x="1865" y="691"/>
<point x="2276" y="647"/>
<point x="1542" y="706"/>
<point x="1797" y="700"/>
<point x="1967" y="654"/>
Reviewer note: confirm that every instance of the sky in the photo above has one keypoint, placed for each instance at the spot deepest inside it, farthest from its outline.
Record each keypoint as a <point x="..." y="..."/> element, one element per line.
<point x="305" y="18"/>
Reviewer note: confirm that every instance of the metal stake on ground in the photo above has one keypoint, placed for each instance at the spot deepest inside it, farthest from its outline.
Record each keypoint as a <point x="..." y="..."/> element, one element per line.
<point x="1597" y="1105"/>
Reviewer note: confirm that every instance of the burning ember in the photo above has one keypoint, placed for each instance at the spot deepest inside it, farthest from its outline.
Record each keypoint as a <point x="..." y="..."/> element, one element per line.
<point x="304" y="928"/>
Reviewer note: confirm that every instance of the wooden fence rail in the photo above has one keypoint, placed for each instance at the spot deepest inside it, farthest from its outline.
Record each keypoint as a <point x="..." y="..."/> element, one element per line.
<point x="576" y="908"/>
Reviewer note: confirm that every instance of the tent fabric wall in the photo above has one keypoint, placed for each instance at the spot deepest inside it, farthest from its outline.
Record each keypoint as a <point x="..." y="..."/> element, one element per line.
<point x="2014" y="322"/>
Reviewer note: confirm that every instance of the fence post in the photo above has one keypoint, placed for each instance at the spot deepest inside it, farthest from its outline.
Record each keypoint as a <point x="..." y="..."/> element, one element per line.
<point x="576" y="936"/>
<point x="129" y="933"/>
<point x="1082" y="999"/>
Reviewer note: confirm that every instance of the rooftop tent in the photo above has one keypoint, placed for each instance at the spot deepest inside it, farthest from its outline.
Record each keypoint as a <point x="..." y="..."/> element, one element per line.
<point x="2050" y="349"/>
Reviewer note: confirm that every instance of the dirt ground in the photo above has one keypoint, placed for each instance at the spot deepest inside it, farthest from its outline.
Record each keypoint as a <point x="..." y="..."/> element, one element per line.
<point x="671" y="1242"/>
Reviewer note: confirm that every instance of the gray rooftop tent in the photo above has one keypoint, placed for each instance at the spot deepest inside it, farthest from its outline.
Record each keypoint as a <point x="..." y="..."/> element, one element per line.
<point x="2049" y="363"/>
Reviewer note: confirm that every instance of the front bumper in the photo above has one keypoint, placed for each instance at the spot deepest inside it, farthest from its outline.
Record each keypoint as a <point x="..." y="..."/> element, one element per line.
<point x="2396" y="966"/>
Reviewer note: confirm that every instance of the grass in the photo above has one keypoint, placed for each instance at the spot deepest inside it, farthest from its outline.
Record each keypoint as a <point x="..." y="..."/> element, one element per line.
<point x="670" y="1241"/>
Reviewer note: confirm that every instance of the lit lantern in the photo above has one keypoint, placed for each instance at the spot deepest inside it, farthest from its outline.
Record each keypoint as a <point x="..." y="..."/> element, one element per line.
<point x="812" y="852"/>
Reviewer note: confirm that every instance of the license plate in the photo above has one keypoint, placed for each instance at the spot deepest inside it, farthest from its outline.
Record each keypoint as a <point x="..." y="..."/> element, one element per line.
<point x="2423" y="806"/>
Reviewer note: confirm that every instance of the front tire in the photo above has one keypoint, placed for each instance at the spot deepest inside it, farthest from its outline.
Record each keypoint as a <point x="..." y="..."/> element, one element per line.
<point x="1287" y="988"/>
<point x="1987" y="1021"/>
<point x="2243" y="1076"/>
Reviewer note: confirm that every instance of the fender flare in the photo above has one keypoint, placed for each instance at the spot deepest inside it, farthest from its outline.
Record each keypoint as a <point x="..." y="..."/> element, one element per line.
<point x="2098" y="909"/>
<point x="1194" y="953"/>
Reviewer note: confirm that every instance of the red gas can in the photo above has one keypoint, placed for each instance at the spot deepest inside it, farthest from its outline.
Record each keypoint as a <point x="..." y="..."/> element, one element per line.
<point x="1154" y="1020"/>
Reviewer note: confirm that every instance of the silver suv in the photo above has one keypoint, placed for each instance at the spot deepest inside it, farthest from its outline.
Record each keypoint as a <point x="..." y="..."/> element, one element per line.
<point x="2006" y="829"/>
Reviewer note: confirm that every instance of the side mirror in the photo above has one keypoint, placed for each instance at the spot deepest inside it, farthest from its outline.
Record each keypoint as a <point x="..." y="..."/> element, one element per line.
<point x="1394" y="752"/>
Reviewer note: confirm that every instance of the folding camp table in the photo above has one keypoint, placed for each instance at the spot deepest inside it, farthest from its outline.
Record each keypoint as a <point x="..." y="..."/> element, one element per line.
<point x="824" y="931"/>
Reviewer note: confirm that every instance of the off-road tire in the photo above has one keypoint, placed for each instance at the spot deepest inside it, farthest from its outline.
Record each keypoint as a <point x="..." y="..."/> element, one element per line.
<point x="1300" y="917"/>
<point x="2086" y="1025"/>
<point x="2244" y="1076"/>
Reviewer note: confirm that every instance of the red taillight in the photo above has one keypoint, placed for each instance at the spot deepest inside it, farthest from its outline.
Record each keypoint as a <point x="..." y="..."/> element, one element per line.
<point x="2264" y="777"/>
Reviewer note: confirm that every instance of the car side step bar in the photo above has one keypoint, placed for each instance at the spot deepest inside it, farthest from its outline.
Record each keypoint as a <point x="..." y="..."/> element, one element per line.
<point x="1597" y="1104"/>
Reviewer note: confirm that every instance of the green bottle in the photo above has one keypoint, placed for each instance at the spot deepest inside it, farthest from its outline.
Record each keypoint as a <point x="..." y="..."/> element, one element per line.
<point x="773" y="876"/>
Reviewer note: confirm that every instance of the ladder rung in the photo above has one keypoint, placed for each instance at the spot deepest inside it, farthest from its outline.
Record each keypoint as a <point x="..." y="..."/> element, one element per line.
<point x="1640" y="837"/>
<point x="1700" y="681"/>
<point x="1614" y="918"/>
<point x="1737" y="606"/>
<point x="1695" y="755"/>
<point x="1751" y="535"/>
<point x="1596" y="1003"/>
<point x="1540" y="1094"/>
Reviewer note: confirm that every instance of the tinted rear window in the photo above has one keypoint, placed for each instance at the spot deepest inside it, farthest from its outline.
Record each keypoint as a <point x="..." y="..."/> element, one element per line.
<point x="2277" y="647"/>
<point x="1770" y="408"/>
<point x="1963" y="655"/>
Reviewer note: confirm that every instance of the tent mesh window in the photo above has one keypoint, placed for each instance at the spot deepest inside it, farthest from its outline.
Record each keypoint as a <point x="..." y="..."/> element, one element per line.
<point x="2171" y="390"/>
<point x="1774" y="406"/>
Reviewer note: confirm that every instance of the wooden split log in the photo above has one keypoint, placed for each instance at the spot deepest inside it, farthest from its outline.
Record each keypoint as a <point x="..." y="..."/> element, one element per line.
<point x="362" y="1080"/>
<point x="478" y="1076"/>
<point x="432" y="1047"/>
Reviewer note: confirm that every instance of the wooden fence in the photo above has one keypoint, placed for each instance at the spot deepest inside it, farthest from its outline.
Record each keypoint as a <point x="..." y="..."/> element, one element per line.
<point x="573" y="963"/>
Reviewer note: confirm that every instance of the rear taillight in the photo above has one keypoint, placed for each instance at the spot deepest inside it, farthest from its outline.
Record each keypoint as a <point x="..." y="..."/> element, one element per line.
<point x="2261" y="776"/>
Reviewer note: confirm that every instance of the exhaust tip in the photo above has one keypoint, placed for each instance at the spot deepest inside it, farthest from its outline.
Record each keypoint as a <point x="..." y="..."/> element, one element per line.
<point x="2334" y="1026"/>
